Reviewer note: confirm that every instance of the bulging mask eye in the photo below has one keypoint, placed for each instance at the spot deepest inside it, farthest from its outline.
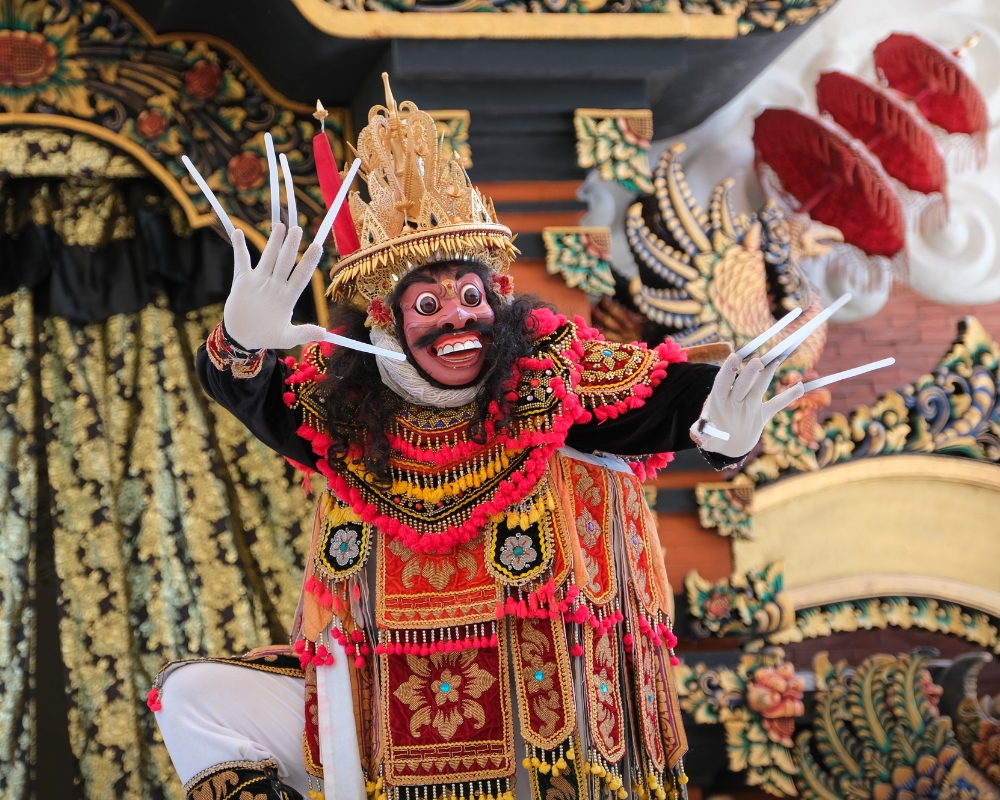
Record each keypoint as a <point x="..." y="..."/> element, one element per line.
<point x="471" y="296"/>
<point x="427" y="304"/>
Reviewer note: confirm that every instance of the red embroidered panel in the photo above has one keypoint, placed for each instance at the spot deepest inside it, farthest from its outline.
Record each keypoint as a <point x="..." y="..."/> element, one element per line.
<point x="422" y="590"/>
<point x="675" y="742"/>
<point x="448" y="717"/>
<point x="310" y="736"/>
<point x="543" y="681"/>
<point x="647" y="706"/>
<point x="604" y="700"/>
<point x="592" y="520"/>
<point x="640" y="539"/>
<point x="562" y="561"/>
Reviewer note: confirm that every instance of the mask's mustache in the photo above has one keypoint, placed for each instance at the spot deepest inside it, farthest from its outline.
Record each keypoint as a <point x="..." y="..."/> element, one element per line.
<point x="482" y="328"/>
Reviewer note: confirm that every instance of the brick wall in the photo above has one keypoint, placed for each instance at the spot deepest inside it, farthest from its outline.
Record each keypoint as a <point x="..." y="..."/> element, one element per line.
<point x="911" y="328"/>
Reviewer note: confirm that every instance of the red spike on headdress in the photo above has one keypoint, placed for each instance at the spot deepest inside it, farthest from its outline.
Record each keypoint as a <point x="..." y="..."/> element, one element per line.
<point x="329" y="183"/>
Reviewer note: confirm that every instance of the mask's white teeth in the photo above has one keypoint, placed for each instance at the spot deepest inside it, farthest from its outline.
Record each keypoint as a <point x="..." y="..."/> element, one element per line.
<point x="458" y="347"/>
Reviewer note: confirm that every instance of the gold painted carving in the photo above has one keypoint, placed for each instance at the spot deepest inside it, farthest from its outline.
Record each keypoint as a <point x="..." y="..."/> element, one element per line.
<point x="749" y="603"/>
<point x="349" y="19"/>
<point x="453" y="135"/>
<point x="154" y="97"/>
<point x="615" y="143"/>
<point x="879" y="613"/>
<point x="582" y="256"/>
<point x="877" y="732"/>
<point x="757" y="703"/>
<point x="554" y="19"/>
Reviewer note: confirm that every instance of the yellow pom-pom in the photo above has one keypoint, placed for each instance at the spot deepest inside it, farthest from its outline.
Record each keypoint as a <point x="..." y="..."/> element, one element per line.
<point x="683" y="779"/>
<point x="571" y="754"/>
<point x="526" y="763"/>
<point x="369" y="788"/>
<point x="535" y="762"/>
<point x="555" y="771"/>
<point x="660" y="793"/>
<point x="651" y="782"/>
<point x="622" y="793"/>
<point x="561" y="763"/>
<point x="544" y="767"/>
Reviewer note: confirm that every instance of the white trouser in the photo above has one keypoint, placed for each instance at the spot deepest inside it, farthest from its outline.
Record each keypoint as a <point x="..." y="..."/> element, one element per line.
<point x="213" y="713"/>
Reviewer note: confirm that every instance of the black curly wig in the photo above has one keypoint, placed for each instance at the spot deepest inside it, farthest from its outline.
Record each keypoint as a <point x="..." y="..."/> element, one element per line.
<point x="360" y="407"/>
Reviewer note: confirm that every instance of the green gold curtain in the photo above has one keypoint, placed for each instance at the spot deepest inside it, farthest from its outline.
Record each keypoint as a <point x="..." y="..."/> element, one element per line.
<point x="174" y="532"/>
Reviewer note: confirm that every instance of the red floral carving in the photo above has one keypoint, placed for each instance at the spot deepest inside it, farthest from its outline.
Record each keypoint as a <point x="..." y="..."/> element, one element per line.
<point x="26" y="59"/>
<point x="932" y="691"/>
<point x="203" y="80"/>
<point x="804" y="425"/>
<point x="245" y="172"/>
<point x="152" y="123"/>
<point x="717" y="606"/>
<point x="776" y="694"/>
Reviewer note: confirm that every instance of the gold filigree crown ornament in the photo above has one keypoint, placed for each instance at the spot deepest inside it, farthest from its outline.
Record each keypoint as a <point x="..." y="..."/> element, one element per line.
<point x="422" y="209"/>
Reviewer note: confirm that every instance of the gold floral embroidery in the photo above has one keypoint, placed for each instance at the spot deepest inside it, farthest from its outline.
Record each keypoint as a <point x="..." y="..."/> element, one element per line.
<point x="539" y="669"/>
<point x="587" y="489"/>
<point x="604" y="701"/>
<point x="588" y="527"/>
<point x="437" y="570"/>
<point x="606" y="685"/>
<point x="455" y="681"/>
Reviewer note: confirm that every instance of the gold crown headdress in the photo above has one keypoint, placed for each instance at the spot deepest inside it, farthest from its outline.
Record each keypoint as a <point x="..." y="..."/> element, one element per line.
<point x="421" y="210"/>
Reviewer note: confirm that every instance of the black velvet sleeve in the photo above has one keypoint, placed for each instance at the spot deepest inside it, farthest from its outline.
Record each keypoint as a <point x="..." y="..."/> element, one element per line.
<point x="661" y="425"/>
<point x="257" y="403"/>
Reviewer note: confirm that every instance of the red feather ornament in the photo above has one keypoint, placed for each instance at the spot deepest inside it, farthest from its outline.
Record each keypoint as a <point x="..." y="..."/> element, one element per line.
<point x="896" y="134"/>
<point x="934" y="79"/>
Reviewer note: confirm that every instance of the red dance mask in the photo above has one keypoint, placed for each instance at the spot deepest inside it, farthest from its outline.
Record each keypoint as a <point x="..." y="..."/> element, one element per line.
<point x="447" y="325"/>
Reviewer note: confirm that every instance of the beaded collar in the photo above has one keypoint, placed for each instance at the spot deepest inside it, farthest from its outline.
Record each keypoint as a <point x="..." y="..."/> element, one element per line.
<point x="446" y="487"/>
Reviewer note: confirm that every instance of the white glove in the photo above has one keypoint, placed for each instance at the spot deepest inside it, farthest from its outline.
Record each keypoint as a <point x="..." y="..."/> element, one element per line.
<point x="735" y="406"/>
<point x="258" y="312"/>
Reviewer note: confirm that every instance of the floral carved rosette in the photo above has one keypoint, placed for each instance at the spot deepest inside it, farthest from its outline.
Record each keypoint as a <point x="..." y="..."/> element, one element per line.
<point x="745" y="604"/>
<point x="758" y="703"/>
<point x="582" y="256"/>
<point x="615" y="143"/>
<point x="159" y="98"/>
